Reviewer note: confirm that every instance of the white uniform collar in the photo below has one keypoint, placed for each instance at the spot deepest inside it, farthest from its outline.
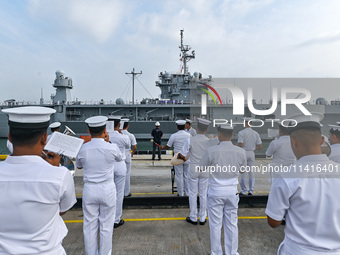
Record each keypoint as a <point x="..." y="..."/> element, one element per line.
<point x="314" y="157"/>
<point x="97" y="139"/>
<point x="24" y="159"/>
<point x="226" y="142"/>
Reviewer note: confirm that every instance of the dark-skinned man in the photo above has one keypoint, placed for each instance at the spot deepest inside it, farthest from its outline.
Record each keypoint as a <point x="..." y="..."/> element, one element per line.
<point x="225" y="161"/>
<point x="123" y="143"/>
<point x="129" y="154"/>
<point x="97" y="158"/>
<point x="177" y="141"/>
<point x="34" y="190"/>
<point x="250" y="141"/>
<point x="307" y="194"/>
<point x="334" y="139"/>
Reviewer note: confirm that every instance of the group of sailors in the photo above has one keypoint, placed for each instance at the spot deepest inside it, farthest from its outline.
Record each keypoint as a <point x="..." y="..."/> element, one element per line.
<point x="35" y="191"/>
<point x="305" y="197"/>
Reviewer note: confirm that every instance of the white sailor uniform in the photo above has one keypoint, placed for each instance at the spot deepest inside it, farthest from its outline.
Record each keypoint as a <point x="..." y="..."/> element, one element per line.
<point x="123" y="143"/>
<point x="250" y="139"/>
<point x="97" y="158"/>
<point x="282" y="152"/>
<point x="177" y="140"/>
<point x="222" y="195"/>
<point x="133" y="142"/>
<point x="197" y="181"/>
<point x="335" y="153"/>
<point x="191" y="131"/>
<point x="32" y="194"/>
<point x="310" y="204"/>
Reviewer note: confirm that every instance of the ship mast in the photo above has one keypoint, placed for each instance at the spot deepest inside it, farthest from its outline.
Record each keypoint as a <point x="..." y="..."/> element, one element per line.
<point x="186" y="57"/>
<point x="133" y="83"/>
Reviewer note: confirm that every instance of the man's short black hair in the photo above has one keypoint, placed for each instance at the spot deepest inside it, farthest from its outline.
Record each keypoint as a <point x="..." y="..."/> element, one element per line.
<point x="201" y="127"/>
<point x="116" y="123"/>
<point x="97" y="130"/>
<point x="181" y="127"/>
<point x="335" y="132"/>
<point x="25" y="137"/>
<point x="284" y="130"/>
<point x="54" y="129"/>
<point x="126" y="124"/>
<point x="226" y="132"/>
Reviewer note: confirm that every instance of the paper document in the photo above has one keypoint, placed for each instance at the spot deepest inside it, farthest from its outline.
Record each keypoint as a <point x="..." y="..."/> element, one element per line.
<point x="64" y="144"/>
<point x="110" y="126"/>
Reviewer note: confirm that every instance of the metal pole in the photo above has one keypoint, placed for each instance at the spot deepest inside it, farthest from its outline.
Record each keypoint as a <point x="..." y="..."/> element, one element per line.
<point x="133" y="83"/>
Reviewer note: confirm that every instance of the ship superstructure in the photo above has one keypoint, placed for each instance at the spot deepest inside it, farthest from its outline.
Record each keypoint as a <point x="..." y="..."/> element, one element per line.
<point x="180" y="98"/>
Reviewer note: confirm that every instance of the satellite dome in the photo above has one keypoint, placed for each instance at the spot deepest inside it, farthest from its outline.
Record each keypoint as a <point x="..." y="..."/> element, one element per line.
<point x="119" y="101"/>
<point x="321" y="101"/>
<point x="59" y="73"/>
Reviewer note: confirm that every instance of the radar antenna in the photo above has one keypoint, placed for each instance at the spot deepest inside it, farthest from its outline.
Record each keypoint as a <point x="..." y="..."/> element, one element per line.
<point x="186" y="57"/>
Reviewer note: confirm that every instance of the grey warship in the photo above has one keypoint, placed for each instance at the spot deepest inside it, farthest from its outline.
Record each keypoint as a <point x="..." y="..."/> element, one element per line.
<point x="180" y="98"/>
<point x="175" y="102"/>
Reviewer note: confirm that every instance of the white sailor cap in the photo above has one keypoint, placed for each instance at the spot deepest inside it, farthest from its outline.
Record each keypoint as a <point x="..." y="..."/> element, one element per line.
<point x="29" y="116"/>
<point x="180" y="122"/>
<point x="334" y="128"/>
<point x="306" y="121"/>
<point x="55" y="125"/>
<point x="96" y="121"/>
<point x="203" y="121"/>
<point x="114" y="117"/>
<point x="125" y="120"/>
<point x="157" y="124"/>
<point x="188" y="121"/>
<point x="225" y="127"/>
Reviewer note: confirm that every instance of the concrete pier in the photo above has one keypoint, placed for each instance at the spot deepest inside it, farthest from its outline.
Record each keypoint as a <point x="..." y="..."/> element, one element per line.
<point x="163" y="230"/>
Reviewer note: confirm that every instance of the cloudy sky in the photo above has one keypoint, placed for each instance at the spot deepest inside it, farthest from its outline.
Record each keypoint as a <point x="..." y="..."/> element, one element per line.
<point x="97" y="42"/>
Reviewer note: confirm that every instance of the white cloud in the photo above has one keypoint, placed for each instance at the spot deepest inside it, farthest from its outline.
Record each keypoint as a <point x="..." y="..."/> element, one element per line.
<point x="97" y="19"/>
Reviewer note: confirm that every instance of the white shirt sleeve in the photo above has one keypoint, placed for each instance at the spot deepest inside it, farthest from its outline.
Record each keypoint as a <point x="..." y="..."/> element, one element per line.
<point x="67" y="194"/>
<point x="78" y="159"/>
<point x="258" y="139"/>
<point x="117" y="153"/>
<point x="278" y="200"/>
<point x="127" y="142"/>
<point x="186" y="148"/>
<point x="240" y="137"/>
<point x="133" y="140"/>
<point x="171" y="141"/>
<point x="271" y="149"/>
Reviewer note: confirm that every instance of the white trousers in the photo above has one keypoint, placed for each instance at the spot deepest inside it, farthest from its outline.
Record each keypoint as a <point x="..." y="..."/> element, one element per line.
<point x="120" y="183"/>
<point x="199" y="185"/>
<point x="222" y="210"/>
<point x="99" y="206"/>
<point x="243" y="181"/>
<point x="127" y="179"/>
<point x="181" y="174"/>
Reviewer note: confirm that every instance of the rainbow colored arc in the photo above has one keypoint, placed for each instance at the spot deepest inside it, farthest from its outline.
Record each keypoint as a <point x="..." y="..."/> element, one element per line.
<point x="209" y="93"/>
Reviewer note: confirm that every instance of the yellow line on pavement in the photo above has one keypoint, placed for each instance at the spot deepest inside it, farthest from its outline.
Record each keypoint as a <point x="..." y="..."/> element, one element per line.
<point x="173" y="219"/>
<point x="169" y="193"/>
